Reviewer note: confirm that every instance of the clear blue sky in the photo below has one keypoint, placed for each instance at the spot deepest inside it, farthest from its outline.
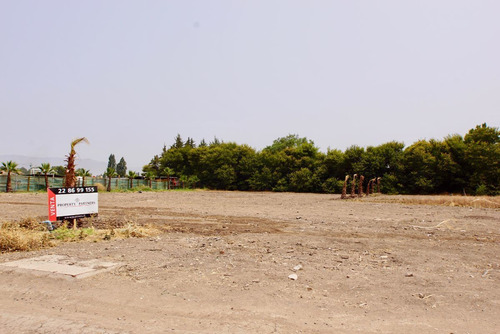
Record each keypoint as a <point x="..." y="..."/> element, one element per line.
<point x="130" y="75"/>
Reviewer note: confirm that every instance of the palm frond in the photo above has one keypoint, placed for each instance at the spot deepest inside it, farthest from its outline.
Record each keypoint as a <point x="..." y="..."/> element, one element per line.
<point x="78" y="141"/>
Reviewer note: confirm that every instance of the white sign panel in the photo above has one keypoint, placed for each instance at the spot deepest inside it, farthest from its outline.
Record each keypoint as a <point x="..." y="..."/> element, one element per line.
<point x="69" y="203"/>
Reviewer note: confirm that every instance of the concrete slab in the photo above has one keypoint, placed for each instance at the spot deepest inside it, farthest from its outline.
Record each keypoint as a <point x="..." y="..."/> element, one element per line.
<point x="61" y="265"/>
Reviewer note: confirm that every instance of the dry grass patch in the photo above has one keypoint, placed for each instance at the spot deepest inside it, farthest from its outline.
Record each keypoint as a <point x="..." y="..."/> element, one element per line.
<point x="25" y="235"/>
<point x="30" y="234"/>
<point x="492" y="202"/>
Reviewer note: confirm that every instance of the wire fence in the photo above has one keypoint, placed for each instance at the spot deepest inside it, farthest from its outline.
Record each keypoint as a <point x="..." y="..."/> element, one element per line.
<point x="37" y="183"/>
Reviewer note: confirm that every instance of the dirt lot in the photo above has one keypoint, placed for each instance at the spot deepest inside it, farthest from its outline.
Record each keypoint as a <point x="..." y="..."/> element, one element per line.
<point x="223" y="266"/>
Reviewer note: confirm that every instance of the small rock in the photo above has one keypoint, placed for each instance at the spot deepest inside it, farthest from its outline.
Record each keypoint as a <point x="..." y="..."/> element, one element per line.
<point x="409" y="275"/>
<point x="297" y="267"/>
<point x="293" y="277"/>
<point x="256" y="281"/>
<point x="344" y="257"/>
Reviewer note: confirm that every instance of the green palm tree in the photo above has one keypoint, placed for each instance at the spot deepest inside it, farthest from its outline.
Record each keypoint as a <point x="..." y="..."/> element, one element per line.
<point x="131" y="176"/>
<point x="70" y="169"/>
<point x="9" y="167"/>
<point x="150" y="176"/>
<point x="83" y="173"/>
<point x="110" y="172"/>
<point x="168" y="171"/>
<point x="46" y="169"/>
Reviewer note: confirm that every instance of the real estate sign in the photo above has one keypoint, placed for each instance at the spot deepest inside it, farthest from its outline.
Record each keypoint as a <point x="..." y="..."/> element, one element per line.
<point x="70" y="203"/>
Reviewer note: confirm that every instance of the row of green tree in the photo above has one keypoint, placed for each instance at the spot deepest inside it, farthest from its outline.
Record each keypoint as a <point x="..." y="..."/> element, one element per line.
<point x="457" y="164"/>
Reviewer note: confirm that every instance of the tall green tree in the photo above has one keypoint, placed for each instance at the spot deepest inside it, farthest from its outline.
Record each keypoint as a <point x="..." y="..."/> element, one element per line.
<point x="458" y="176"/>
<point x="419" y="172"/>
<point x="354" y="160"/>
<point x="9" y="167"/>
<point x="225" y="166"/>
<point x="154" y="166"/>
<point x="215" y="142"/>
<point x="384" y="161"/>
<point x="289" y="155"/>
<point x="290" y="141"/>
<point x="482" y="156"/>
<point x="331" y="171"/>
<point x="190" y="142"/>
<point x="121" y="168"/>
<point x="178" y="142"/>
<point x="112" y="161"/>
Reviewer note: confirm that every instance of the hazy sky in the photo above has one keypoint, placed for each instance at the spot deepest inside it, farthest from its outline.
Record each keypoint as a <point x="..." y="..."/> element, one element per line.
<point x="130" y="75"/>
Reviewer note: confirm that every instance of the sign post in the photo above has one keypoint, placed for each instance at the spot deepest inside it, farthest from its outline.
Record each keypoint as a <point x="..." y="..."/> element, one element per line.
<point x="72" y="203"/>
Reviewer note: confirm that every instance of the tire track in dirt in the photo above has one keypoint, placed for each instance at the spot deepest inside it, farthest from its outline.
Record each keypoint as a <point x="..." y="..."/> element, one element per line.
<point x="23" y="203"/>
<point x="38" y="324"/>
<point x="201" y="224"/>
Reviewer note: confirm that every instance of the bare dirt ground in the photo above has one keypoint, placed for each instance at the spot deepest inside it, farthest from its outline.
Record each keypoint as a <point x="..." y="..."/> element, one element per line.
<point x="223" y="266"/>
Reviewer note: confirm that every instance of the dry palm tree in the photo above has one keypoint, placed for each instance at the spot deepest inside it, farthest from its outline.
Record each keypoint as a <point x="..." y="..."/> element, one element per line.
<point x="344" y="188"/>
<point x="46" y="169"/>
<point x="378" y="184"/>
<point x="9" y="167"/>
<point x="70" y="180"/>
<point x="353" y="186"/>
<point x="369" y="187"/>
<point x="360" y="185"/>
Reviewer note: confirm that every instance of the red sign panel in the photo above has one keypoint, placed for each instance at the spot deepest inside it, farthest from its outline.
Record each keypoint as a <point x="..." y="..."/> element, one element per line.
<point x="52" y="206"/>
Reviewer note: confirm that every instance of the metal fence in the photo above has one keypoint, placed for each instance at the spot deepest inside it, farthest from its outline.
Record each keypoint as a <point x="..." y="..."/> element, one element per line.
<point x="37" y="183"/>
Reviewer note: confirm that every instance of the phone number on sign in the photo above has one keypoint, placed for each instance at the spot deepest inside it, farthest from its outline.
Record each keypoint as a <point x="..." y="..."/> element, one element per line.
<point x="76" y="190"/>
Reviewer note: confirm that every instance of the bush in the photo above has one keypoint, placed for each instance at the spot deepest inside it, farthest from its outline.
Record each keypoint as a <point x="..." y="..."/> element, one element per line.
<point x="332" y="185"/>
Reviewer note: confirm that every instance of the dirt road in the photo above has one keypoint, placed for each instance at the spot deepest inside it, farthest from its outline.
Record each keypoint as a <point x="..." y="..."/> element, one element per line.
<point x="224" y="262"/>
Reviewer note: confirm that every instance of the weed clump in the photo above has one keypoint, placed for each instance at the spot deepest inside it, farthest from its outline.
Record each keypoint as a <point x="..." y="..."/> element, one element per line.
<point x="64" y="233"/>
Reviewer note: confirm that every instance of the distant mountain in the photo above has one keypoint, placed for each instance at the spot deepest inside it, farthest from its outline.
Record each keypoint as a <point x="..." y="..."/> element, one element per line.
<point x="95" y="167"/>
